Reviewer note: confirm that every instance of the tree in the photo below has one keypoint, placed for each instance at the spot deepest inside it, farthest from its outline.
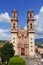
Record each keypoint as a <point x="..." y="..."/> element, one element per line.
<point x="16" y="60"/>
<point x="7" y="52"/>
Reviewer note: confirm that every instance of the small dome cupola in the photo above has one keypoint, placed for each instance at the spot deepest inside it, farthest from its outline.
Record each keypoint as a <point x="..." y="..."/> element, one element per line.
<point x="30" y="14"/>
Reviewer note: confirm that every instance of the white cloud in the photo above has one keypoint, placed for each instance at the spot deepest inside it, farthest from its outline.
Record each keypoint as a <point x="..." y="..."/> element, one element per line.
<point x="39" y="24"/>
<point x="4" y="34"/>
<point x="25" y="27"/>
<point x="41" y="10"/>
<point x="4" y="17"/>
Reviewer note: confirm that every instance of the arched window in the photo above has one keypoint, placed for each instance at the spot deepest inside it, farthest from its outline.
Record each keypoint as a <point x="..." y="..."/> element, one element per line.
<point x="31" y="25"/>
<point x="22" y="35"/>
<point x="14" y="25"/>
<point x="14" y="14"/>
<point x="30" y="15"/>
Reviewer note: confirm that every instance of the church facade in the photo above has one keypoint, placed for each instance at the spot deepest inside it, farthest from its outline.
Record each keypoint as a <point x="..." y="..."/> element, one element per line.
<point x="23" y="40"/>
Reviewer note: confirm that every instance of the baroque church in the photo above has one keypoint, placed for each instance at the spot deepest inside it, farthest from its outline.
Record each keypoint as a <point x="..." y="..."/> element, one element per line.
<point x="23" y="40"/>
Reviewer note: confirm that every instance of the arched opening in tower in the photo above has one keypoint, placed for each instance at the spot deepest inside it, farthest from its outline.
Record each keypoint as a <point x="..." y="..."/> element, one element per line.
<point x="22" y="51"/>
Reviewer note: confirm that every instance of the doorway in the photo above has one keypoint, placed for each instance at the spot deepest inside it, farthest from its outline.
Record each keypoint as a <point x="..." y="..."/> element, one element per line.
<point x="22" y="51"/>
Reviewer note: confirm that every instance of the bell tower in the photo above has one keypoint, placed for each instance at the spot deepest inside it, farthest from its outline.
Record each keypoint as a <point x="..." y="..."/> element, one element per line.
<point x="14" y="21"/>
<point x="30" y="31"/>
<point x="14" y="30"/>
<point x="30" y="21"/>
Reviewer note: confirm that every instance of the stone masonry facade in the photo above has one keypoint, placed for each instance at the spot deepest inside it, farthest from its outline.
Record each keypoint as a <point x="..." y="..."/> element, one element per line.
<point x="23" y="39"/>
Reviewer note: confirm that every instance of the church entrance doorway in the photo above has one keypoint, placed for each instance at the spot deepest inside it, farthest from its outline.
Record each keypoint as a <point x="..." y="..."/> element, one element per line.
<point x="22" y="51"/>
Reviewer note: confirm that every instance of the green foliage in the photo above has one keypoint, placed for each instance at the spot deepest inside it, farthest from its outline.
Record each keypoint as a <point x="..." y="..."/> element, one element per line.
<point x="4" y="63"/>
<point x="0" y="51"/>
<point x="7" y="52"/>
<point x="39" y="45"/>
<point x="3" y="41"/>
<point x="16" y="60"/>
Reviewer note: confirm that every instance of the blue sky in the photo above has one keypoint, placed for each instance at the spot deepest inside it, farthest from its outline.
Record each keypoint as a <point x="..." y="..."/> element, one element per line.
<point x="22" y="6"/>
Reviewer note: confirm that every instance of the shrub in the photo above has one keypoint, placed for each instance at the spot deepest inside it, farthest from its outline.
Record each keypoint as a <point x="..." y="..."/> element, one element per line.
<point x="4" y="63"/>
<point x="16" y="60"/>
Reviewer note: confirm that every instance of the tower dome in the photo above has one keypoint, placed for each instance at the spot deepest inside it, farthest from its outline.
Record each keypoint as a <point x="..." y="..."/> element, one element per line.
<point x="14" y="14"/>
